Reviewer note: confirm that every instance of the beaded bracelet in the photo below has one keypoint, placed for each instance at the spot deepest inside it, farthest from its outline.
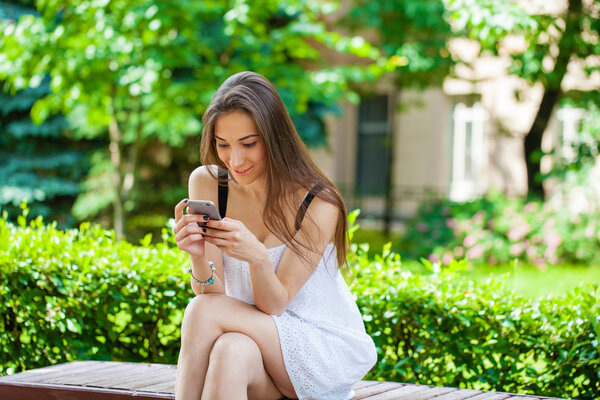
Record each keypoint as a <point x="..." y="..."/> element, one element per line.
<point x="207" y="282"/>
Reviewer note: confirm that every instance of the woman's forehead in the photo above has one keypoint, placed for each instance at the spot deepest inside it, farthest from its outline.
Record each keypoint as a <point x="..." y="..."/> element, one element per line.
<point x="236" y="125"/>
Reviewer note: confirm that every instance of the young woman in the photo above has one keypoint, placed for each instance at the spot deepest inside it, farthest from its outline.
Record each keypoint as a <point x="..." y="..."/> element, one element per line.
<point x="273" y="316"/>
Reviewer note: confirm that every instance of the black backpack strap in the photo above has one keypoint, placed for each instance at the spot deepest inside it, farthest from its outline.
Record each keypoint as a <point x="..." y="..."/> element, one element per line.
<point x="223" y="191"/>
<point x="305" y="203"/>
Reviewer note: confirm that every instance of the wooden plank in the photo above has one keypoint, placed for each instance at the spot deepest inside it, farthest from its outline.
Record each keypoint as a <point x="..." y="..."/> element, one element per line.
<point x="45" y="373"/>
<point x="127" y="376"/>
<point x="149" y="375"/>
<point x="76" y="378"/>
<point x="429" y="393"/>
<point x="36" y="391"/>
<point x="394" y="393"/>
<point x="380" y="387"/>
<point x="459" y="394"/>
<point x="490" y="396"/>
<point x="363" y="384"/>
<point x="164" y="387"/>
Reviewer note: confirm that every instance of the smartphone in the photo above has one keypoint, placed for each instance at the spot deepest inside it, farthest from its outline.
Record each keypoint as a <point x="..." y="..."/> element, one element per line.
<point x="205" y="207"/>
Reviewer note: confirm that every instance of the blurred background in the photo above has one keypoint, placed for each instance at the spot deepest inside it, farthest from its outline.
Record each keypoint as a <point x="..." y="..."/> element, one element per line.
<point x="459" y="128"/>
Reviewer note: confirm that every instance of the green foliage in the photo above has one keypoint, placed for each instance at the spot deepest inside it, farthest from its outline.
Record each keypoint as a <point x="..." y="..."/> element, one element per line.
<point x="81" y="294"/>
<point x="413" y="33"/>
<point x="438" y="330"/>
<point x="496" y="229"/>
<point x="38" y="162"/>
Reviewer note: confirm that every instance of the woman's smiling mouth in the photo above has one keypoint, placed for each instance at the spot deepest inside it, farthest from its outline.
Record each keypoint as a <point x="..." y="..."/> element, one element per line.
<point x="243" y="171"/>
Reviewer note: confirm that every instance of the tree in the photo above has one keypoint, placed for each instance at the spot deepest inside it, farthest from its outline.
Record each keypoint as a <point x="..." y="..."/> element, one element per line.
<point x="138" y="71"/>
<point x="414" y="34"/>
<point x="553" y="42"/>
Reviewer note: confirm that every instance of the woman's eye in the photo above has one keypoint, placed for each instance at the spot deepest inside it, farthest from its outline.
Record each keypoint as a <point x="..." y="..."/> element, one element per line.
<point x="222" y="145"/>
<point x="249" y="144"/>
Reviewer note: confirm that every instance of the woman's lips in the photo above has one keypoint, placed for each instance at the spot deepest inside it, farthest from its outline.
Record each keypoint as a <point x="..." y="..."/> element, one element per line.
<point x="243" y="171"/>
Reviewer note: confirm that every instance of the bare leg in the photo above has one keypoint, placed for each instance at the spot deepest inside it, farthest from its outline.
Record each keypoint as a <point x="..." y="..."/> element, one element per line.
<point x="209" y="316"/>
<point x="236" y="371"/>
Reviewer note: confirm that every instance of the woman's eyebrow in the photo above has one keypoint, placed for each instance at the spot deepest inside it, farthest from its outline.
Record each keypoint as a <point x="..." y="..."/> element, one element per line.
<point x="240" y="139"/>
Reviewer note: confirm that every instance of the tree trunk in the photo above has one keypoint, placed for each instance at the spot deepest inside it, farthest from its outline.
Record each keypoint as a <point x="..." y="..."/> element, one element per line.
<point x="552" y="90"/>
<point x="389" y="185"/>
<point x="115" y="157"/>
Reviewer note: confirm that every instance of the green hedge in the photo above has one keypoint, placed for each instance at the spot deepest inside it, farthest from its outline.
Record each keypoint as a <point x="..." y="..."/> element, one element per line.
<point x="441" y="330"/>
<point x="80" y="294"/>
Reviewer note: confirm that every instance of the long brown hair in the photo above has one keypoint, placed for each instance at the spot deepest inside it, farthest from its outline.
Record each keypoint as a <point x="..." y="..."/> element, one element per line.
<point x="289" y="165"/>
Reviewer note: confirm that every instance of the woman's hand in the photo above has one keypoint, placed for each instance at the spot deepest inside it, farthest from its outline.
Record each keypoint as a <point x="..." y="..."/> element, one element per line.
<point x="188" y="230"/>
<point x="234" y="239"/>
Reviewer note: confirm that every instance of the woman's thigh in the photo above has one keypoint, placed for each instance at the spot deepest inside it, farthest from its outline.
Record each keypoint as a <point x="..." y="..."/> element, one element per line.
<point x="232" y="315"/>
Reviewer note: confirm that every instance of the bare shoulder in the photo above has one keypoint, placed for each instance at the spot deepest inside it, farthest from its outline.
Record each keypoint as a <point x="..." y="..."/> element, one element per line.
<point x="322" y="210"/>
<point x="202" y="184"/>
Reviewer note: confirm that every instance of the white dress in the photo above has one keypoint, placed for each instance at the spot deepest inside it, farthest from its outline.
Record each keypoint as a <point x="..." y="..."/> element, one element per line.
<point x="323" y="340"/>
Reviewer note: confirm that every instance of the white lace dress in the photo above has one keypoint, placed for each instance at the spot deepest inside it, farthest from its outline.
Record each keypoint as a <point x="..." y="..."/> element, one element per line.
<point x="323" y="340"/>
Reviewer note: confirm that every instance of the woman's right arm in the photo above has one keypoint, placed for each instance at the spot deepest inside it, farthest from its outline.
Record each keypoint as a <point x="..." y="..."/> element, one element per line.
<point x="190" y="238"/>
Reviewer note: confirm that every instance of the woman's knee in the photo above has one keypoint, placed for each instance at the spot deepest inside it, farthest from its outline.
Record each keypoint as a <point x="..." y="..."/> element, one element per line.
<point x="235" y="354"/>
<point x="201" y="313"/>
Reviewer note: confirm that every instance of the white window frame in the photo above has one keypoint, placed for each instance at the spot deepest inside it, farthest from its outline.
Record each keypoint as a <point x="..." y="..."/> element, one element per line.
<point x="568" y="136"/>
<point x="463" y="187"/>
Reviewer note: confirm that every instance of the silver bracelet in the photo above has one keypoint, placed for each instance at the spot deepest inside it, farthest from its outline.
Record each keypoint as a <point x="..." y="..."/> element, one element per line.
<point x="207" y="282"/>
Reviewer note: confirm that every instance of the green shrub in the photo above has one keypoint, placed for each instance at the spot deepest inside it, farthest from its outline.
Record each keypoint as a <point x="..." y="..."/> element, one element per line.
<point x="80" y="294"/>
<point x="441" y="330"/>
<point x="496" y="229"/>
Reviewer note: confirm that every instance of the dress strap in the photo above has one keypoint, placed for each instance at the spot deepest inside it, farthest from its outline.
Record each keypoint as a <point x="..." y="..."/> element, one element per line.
<point x="305" y="203"/>
<point x="223" y="191"/>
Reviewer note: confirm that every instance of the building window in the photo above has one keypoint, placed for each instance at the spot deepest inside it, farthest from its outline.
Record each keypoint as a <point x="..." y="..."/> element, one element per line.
<point x="469" y="152"/>
<point x="569" y="119"/>
<point x="373" y="128"/>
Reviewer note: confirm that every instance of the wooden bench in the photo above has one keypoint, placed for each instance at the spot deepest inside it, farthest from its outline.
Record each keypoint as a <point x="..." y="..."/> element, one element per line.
<point x="103" y="380"/>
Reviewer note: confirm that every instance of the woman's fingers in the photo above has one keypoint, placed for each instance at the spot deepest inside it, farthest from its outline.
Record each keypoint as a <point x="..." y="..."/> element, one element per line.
<point x="179" y="209"/>
<point x="187" y="230"/>
<point x="186" y="241"/>
<point x="195" y="219"/>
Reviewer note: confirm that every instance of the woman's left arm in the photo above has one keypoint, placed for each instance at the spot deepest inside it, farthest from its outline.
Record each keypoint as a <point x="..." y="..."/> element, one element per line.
<point x="273" y="292"/>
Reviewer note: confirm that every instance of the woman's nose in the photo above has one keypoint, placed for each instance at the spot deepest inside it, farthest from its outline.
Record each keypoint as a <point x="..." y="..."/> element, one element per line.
<point x="236" y="158"/>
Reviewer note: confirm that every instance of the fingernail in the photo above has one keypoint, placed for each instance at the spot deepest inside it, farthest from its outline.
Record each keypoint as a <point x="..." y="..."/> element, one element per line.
<point x="205" y="217"/>
<point x="185" y="201"/>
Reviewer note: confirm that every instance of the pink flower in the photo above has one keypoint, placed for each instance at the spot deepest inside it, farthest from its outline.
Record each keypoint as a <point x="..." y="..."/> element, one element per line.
<point x="550" y="254"/>
<point x="478" y="218"/>
<point x="516" y="249"/>
<point x="518" y="232"/>
<point x="552" y="239"/>
<point x="451" y="223"/>
<point x="447" y="258"/>
<point x="531" y="251"/>
<point x="475" y="252"/>
<point x="540" y="263"/>
<point x="459" y="251"/>
<point x="434" y="258"/>
<point x="530" y="207"/>
<point x="589" y="232"/>
<point x="469" y="241"/>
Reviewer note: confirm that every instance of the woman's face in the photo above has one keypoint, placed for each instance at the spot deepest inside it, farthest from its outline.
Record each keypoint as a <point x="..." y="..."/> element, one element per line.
<point x="240" y="147"/>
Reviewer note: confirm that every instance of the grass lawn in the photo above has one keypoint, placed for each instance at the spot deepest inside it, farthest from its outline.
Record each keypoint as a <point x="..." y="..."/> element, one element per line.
<point x="529" y="281"/>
